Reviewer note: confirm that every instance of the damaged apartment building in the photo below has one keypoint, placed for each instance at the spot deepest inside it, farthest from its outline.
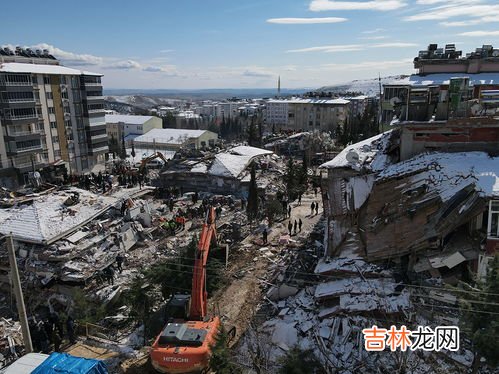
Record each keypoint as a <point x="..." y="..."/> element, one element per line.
<point x="425" y="193"/>
<point x="226" y="172"/>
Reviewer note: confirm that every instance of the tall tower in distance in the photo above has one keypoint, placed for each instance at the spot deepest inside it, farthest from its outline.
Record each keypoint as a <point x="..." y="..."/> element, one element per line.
<point x="279" y="86"/>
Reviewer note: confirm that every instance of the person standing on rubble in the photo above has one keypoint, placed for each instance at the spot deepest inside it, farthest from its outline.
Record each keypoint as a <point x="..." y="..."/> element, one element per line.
<point x="119" y="262"/>
<point x="264" y="235"/>
<point x="290" y="227"/>
<point x="312" y="207"/>
<point x="70" y="327"/>
<point x="295" y="226"/>
<point x="56" y="339"/>
<point x="300" y="223"/>
<point x="170" y="204"/>
<point x="316" y="208"/>
<point x="299" y="199"/>
<point x="289" y="211"/>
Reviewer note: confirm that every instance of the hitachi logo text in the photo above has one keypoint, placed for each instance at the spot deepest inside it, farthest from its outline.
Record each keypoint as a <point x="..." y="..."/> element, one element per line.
<point x="175" y="359"/>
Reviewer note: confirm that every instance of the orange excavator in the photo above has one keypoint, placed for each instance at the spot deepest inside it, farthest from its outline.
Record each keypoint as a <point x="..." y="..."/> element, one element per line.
<point x="184" y="344"/>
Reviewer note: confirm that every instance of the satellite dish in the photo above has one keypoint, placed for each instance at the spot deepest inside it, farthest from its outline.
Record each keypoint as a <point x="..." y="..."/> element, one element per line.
<point x="395" y="100"/>
<point x="366" y="148"/>
<point x="352" y="157"/>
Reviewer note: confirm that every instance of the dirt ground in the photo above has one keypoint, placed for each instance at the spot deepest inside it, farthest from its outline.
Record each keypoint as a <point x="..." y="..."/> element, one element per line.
<point x="237" y="303"/>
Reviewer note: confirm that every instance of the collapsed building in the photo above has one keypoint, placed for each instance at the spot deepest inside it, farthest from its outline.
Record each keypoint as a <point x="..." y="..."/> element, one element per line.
<point x="68" y="235"/>
<point x="227" y="172"/>
<point x="426" y="193"/>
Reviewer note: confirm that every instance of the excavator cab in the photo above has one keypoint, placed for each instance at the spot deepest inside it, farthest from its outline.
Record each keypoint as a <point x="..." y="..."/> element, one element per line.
<point x="177" y="308"/>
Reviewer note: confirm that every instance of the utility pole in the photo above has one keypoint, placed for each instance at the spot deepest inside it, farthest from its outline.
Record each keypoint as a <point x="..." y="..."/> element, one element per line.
<point x="16" y="282"/>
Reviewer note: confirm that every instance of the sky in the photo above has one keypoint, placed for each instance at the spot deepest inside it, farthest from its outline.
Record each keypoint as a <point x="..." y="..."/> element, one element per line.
<point x="190" y="44"/>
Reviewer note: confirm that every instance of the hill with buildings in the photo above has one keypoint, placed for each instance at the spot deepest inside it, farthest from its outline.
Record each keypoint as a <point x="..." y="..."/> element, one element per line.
<point x="369" y="87"/>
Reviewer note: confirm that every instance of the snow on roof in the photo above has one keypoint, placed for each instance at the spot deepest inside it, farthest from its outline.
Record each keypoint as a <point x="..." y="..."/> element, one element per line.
<point x="47" y="218"/>
<point x="127" y="119"/>
<point x="444" y="78"/>
<point x="233" y="162"/>
<point x="169" y="136"/>
<point x="311" y="101"/>
<point x="245" y="150"/>
<point x="448" y="173"/>
<point x="367" y="153"/>
<point x="18" y="67"/>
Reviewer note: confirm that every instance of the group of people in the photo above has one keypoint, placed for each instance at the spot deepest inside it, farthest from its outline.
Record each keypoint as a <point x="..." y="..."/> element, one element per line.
<point x="50" y="332"/>
<point x="86" y="181"/>
<point x="292" y="227"/>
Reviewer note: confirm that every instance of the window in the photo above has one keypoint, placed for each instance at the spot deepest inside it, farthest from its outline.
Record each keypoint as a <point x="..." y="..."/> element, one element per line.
<point x="28" y="144"/>
<point x="53" y="125"/>
<point x="55" y="139"/>
<point x="493" y="229"/>
<point x="67" y="123"/>
<point x="57" y="153"/>
<point x="51" y="110"/>
<point x="310" y="123"/>
<point x="49" y="95"/>
<point x="46" y="79"/>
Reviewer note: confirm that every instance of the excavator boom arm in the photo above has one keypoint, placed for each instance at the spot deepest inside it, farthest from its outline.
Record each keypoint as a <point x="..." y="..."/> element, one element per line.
<point x="199" y="295"/>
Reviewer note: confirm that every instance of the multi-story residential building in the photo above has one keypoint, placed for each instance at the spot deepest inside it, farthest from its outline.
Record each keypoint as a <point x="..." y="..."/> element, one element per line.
<point x="439" y="67"/>
<point x="48" y="113"/>
<point x="128" y="127"/>
<point x="307" y="114"/>
<point x="276" y="113"/>
<point x="317" y="114"/>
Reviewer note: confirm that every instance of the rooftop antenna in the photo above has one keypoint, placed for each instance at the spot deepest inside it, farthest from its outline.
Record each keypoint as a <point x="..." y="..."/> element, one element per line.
<point x="279" y="86"/>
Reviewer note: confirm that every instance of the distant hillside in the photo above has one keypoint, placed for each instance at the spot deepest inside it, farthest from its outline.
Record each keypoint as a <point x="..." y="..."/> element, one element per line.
<point x="161" y="97"/>
<point x="366" y="86"/>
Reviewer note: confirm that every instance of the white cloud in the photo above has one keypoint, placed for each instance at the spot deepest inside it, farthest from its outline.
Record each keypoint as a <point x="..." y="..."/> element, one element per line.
<point x="375" y="31"/>
<point x="480" y="33"/>
<point x="459" y="10"/>
<point x="471" y="22"/>
<point x="393" y="45"/>
<point x="306" y="21"/>
<point x="329" y="48"/>
<point x="66" y="57"/>
<point x="124" y="65"/>
<point x="379" y="37"/>
<point x="166" y="50"/>
<point x="257" y="73"/>
<point x="351" y="47"/>
<point x="381" y="5"/>
<point x="166" y="70"/>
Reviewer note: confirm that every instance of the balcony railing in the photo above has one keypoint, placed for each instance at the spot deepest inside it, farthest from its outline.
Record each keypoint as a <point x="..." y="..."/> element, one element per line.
<point x="24" y="133"/>
<point x="28" y="149"/>
<point x="95" y="97"/>
<point x="18" y="118"/>
<point x="7" y="83"/>
<point x="32" y="100"/>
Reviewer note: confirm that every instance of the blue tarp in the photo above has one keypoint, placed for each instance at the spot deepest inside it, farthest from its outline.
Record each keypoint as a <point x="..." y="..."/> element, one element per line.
<point x="62" y="363"/>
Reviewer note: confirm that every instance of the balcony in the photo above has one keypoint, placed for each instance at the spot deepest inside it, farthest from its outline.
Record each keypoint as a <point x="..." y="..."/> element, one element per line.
<point x="33" y="116"/>
<point x="97" y="137"/>
<point x="15" y="134"/>
<point x="14" y="84"/>
<point x="91" y="84"/>
<point x="29" y="149"/>
<point x="91" y="98"/>
<point x="101" y="149"/>
<point x="13" y="101"/>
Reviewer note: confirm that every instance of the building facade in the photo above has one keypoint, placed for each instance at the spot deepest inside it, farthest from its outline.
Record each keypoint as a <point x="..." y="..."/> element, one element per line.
<point x="48" y="113"/>
<point x="121" y="126"/>
<point x="175" y="139"/>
